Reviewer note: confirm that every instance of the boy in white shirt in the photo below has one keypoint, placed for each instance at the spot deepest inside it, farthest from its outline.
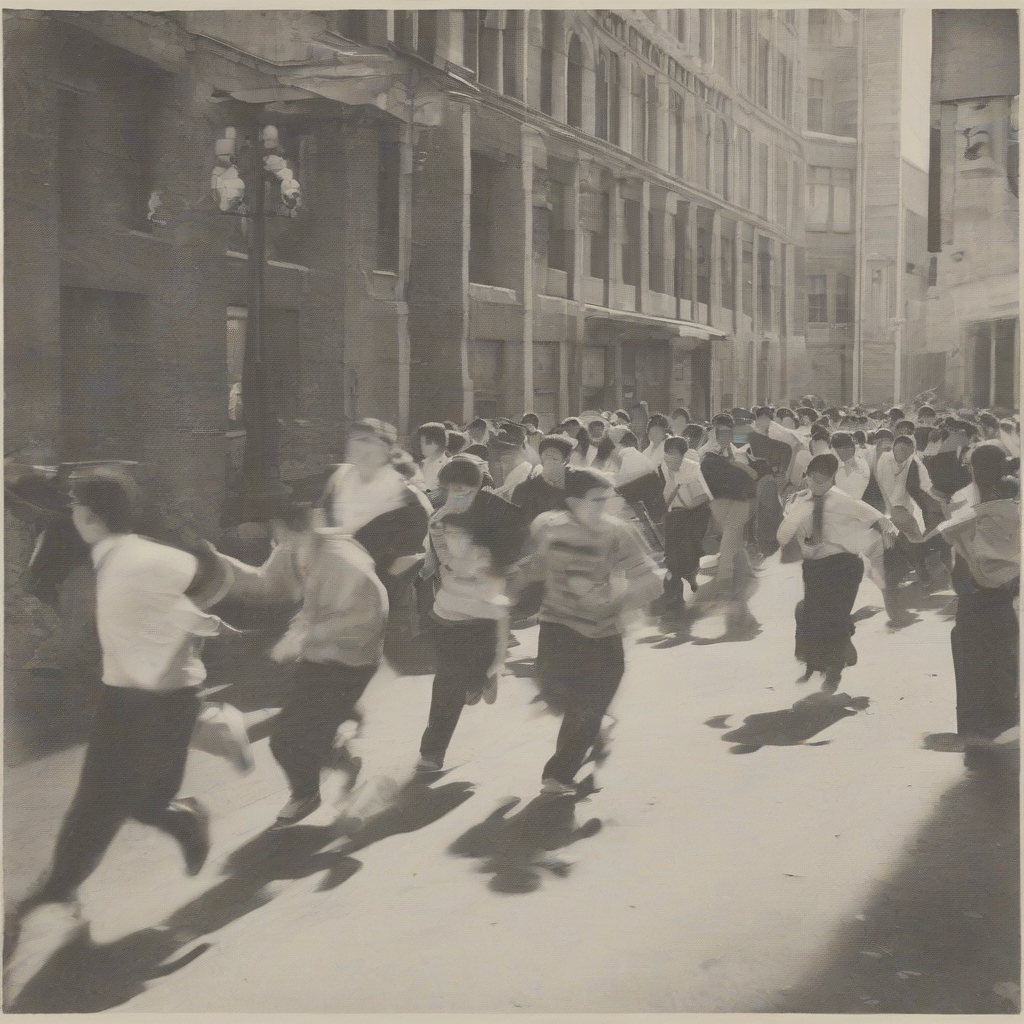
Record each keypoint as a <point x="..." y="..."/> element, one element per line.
<point x="433" y="438"/>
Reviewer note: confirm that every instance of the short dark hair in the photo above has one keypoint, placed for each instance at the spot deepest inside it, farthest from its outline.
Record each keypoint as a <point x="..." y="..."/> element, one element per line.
<point x="905" y="425"/>
<point x="693" y="432"/>
<point x="532" y="418"/>
<point x="841" y="439"/>
<point x="723" y="419"/>
<point x="622" y="414"/>
<point x="629" y="440"/>
<point x="560" y="442"/>
<point x="896" y="413"/>
<point x="677" y="444"/>
<point x="478" y="422"/>
<point x="680" y="411"/>
<point x="784" y="411"/>
<point x="926" y="410"/>
<point x="904" y="440"/>
<point x="820" y="433"/>
<point x="111" y="495"/>
<point x="435" y="433"/>
<point x="572" y="421"/>
<point x="860" y="437"/>
<point x="988" y="463"/>
<point x="806" y="410"/>
<point x="461" y="471"/>
<point x="987" y="419"/>
<point x="761" y="410"/>
<point x="456" y="442"/>
<point x="882" y="434"/>
<point x="657" y="419"/>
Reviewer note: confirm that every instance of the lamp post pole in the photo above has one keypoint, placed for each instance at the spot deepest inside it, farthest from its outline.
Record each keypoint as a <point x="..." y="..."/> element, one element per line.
<point x="243" y="193"/>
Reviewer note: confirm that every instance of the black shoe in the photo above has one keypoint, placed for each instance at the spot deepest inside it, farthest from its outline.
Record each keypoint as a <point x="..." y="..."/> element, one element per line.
<point x="193" y="833"/>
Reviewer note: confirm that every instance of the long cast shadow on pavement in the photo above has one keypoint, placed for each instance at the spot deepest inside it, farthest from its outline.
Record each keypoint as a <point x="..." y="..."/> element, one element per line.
<point x="517" y="850"/>
<point x="791" y="726"/>
<point x="87" y="978"/>
<point x="940" y="934"/>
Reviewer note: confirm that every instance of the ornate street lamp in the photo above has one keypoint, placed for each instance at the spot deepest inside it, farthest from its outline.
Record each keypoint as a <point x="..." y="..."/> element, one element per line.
<point x="241" y="190"/>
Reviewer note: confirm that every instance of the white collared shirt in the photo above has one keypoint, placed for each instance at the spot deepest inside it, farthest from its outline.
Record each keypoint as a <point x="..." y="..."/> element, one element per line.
<point x="853" y="477"/>
<point x="147" y="627"/>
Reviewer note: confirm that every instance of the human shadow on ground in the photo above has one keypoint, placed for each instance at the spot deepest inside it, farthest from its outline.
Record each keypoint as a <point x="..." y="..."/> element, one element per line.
<point x="517" y="850"/>
<point x="87" y="978"/>
<point x="791" y="726"/>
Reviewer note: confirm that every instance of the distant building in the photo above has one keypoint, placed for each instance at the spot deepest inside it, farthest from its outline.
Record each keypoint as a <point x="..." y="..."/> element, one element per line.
<point x="973" y="343"/>
<point x="865" y="210"/>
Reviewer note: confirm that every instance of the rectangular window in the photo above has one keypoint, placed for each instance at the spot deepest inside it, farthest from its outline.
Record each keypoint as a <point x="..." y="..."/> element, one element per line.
<point x="656" y="248"/>
<point x="743" y="142"/>
<point x="764" y="69"/>
<point x="595" y="214"/>
<point x="676" y="134"/>
<point x="601" y="96"/>
<point x="614" y="100"/>
<point x="511" y="54"/>
<point x="762" y="179"/>
<point x="723" y="43"/>
<point x="405" y="30"/>
<point x="765" y="258"/>
<point x="652" y="118"/>
<point x="559" y="239"/>
<point x="844" y="299"/>
<point x="815" y="105"/>
<point x="470" y="38"/>
<point x="485" y="184"/>
<point x="631" y="242"/>
<point x="706" y="29"/>
<point x="748" y="53"/>
<point x="841" y="211"/>
<point x="817" y="299"/>
<point x="703" y="155"/>
<point x="816" y="204"/>
<point x="722" y="159"/>
<point x="817" y="28"/>
<point x="489" y="50"/>
<point x="485" y="370"/>
<point x="705" y="219"/>
<point x="680" y="25"/>
<point x="549" y="33"/>
<point x="426" y="34"/>
<point x="684" y="268"/>
<point x="727" y="271"/>
<point x="638" y="111"/>
<point x="389" y="162"/>
<point x="781" y="189"/>
<point x="747" y="269"/>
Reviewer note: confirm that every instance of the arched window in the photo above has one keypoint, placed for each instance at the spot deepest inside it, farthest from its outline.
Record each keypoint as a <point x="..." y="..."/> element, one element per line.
<point x="574" y="83"/>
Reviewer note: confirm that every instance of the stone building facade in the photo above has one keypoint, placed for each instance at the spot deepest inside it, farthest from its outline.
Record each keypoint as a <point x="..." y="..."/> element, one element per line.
<point x="502" y="211"/>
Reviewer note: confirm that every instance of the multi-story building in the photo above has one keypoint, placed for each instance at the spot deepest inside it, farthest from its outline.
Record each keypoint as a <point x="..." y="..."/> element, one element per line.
<point x="866" y="94"/>
<point x="502" y="211"/>
<point x="973" y="345"/>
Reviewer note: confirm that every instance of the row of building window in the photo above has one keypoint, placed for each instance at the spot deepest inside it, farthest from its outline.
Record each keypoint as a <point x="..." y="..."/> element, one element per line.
<point x="818" y="304"/>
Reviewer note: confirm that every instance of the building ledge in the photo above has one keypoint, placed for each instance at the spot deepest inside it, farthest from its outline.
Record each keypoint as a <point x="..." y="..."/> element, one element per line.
<point x="492" y="293"/>
<point x="844" y="140"/>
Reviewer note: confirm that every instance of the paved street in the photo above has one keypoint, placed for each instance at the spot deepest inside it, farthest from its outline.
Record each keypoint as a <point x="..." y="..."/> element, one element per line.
<point x="815" y="858"/>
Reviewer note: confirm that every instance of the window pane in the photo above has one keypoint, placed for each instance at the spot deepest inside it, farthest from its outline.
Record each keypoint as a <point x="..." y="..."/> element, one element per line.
<point x="817" y="299"/>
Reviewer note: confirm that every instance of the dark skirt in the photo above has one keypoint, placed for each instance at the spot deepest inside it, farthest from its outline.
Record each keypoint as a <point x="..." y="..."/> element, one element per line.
<point x="684" y="538"/>
<point x="985" y="642"/>
<point x="823" y="618"/>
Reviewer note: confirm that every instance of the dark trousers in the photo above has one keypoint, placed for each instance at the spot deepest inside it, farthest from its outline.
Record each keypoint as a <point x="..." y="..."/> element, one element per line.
<point x="986" y="651"/>
<point x="823" y="618"/>
<point x="585" y="673"/>
<point x="464" y="653"/>
<point x="133" y="768"/>
<point x="324" y="696"/>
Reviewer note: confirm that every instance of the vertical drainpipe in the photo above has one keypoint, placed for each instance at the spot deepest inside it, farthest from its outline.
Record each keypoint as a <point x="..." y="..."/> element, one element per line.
<point x="858" y="324"/>
<point x="901" y="261"/>
<point x="526" y="152"/>
<point x="405" y="199"/>
<point x="467" y="171"/>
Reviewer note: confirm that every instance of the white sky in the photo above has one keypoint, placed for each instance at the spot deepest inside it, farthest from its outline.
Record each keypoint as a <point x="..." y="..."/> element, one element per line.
<point x="916" y="100"/>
